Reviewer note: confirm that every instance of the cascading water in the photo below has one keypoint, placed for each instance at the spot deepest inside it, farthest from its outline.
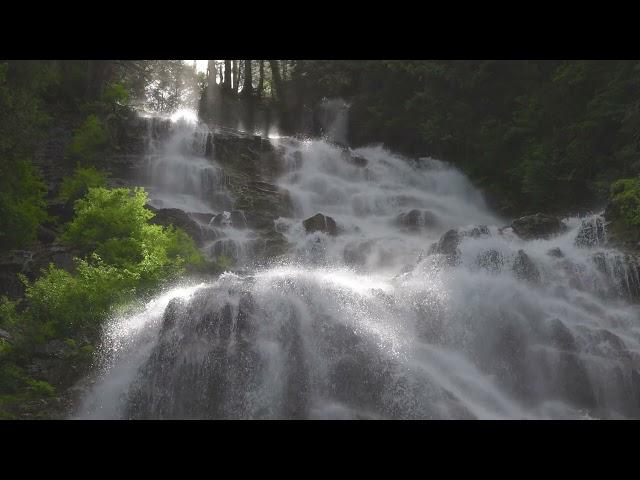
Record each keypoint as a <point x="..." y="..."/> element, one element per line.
<point x="416" y="305"/>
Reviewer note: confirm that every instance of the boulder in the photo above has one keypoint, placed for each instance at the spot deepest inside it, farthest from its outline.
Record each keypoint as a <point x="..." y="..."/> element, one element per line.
<point x="491" y="261"/>
<point x="415" y="219"/>
<point x="555" y="252"/>
<point x="477" y="231"/>
<point x="447" y="245"/>
<point x="538" y="225"/>
<point x="320" y="223"/>
<point x="4" y="335"/>
<point x="353" y="159"/>
<point x="591" y="232"/>
<point x="180" y="219"/>
<point x="356" y="253"/>
<point x="525" y="269"/>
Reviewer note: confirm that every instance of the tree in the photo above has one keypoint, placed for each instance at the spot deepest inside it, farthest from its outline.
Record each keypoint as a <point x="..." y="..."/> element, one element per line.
<point x="277" y="79"/>
<point x="247" y="89"/>
<point x="227" y="75"/>
<point x="261" y="80"/>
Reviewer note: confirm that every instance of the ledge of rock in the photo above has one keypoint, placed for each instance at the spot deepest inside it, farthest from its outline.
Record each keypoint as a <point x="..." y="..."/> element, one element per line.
<point x="538" y="225"/>
<point x="320" y="223"/>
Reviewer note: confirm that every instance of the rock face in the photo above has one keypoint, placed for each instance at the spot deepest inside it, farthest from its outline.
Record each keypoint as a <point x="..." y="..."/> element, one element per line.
<point x="235" y="219"/>
<point x="29" y="263"/>
<point x="180" y="219"/>
<point x="356" y="253"/>
<point x="415" y="219"/>
<point x="537" y="226"/>
<point x="320" y="223"/>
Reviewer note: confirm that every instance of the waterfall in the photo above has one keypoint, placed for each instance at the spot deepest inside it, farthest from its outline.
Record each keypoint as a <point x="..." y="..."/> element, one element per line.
<point x="420" y="304"/>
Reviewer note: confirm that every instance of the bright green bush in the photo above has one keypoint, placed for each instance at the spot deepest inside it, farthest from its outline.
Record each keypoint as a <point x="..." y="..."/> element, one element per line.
<point x="114" y="224"/>
<point x="108" y="219"/>
<point x="90" y="139"/>
<point x="78" y="185"/>
<point x="60" y="303"/>
<point x="625" y="201"/>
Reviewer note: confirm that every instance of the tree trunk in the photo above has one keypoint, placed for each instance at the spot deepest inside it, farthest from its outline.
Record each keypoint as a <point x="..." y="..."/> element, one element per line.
<point x="247" y="88"/>
<point x="277" y="79"/>
<point x="261" y="81"/>
<point x="98" y="74"/>
<point x="211" y="75"/>
<point x="236" y="80"/>
<point x="227" y="75"/>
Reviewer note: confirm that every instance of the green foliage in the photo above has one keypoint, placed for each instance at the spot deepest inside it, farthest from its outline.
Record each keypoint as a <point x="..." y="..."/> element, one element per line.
<point x="80" y="182"/>
<point x="90" y="140"/>
<point x="61" y="303"/>
<point x="108" y="219"/>
<point x="625" y="201"/>
<point x="22" y="205"/>
<point x="22" y="191"/>
<point x="223" y="262"/>
<point x="114" y="225"/>
<point x="115" y="95"/>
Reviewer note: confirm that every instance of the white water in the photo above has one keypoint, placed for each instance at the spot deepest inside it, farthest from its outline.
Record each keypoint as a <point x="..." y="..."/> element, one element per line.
<point x="369" y="324"/>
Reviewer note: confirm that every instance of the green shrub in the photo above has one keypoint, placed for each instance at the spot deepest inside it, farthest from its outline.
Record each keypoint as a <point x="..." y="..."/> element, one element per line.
<point x="90" y="139"/>
<point x="110" y="218"/>
<point x="60" y="303"/>
<point x="625" y="201"/>
<point x="115" y="95"/>
<point x="22" y="190"/>
<point x="114" y="224"/>
<point x="78" y="185"/>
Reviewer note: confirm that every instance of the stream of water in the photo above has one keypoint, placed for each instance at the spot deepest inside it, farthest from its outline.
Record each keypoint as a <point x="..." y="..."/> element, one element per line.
<point x="371" y="320"/>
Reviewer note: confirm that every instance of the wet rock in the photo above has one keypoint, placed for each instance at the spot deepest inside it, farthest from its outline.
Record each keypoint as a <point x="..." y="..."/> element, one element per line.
<point x="356" y="253"/>
<point x="536" y="226"/>
<point x="415" y="219"/>
<point x="175" y="308"/>
<point x="555" y="252"/>
<point x="477" y="231"/>
<point x="591" y="233"/>
<point x="491" y="261"/>
<point x="225" y="247"/>
<point x="45" y="235"/>
<point x="353" y="159"/>
<point x="4" y="335"/>
<point x="448" y="245"/>
<point x="235" y="219"/>
<point x="61" y="211"/>
<point x="574" y="381"/>
<point x="525" y="269"/>
<point x="202" y="217"/>
<point x="560" y="336"/>
<point x="257" y="221"/>
<point x="56" y="349"/>
<point x="271" y="244"/>
<point x="180" y="219"/>
<point x="623" y="272"/>
<point x="30" y="263"/>
<point x="320" y="223"/>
